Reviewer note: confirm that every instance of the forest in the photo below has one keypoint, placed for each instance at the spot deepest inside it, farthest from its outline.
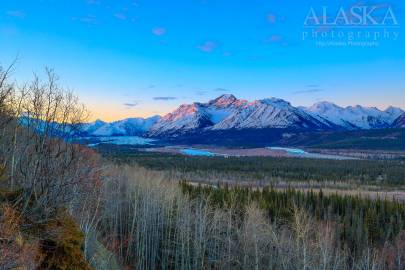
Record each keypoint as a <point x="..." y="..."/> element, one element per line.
<point x="67" y="206"/>
<point x="359" y="221"/>
<point x="265" y="170"/>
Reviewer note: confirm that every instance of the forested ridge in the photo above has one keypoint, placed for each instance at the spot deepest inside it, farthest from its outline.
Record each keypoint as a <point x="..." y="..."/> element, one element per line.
<point x="374" y="139"/>
<point x="266" y="169"/>
<point x="392" y="139"/>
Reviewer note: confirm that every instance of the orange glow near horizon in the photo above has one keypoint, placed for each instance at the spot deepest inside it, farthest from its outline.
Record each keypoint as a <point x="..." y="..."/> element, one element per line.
<point x="110" y="112"/>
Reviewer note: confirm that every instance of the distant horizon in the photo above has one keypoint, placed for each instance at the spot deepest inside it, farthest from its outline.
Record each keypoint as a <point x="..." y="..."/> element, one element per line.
<point x="162" y="115"/>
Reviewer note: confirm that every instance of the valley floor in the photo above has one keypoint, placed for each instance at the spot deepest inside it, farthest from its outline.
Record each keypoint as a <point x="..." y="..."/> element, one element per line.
<point x="198" y="150"/>
<point x="276" y="167"/>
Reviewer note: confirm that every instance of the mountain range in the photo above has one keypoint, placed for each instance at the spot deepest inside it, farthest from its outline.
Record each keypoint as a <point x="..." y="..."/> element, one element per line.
<point x="126" y="127"/>
<point x="227" y="113"/>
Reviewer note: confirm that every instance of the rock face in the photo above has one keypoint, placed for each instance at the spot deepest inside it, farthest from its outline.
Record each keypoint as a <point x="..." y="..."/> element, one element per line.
<point x="184" y="119"/>
<point x="229" y="113"/>
<point x="399" y="122"/>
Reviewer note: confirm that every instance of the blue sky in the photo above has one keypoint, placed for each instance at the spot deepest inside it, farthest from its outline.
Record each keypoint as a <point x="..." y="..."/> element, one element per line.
<point x="144" y="57"/>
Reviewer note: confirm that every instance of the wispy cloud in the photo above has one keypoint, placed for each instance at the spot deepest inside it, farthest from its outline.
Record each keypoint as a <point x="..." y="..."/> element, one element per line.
<point x="164" y="98"/>
<point x="201" y="93"/>
<point x="159" y="31"/>
<point x="208" y="46"/>
<point x="89" y="19"/>
<point x="120" y="16"/>
<point x="93" y="2"/>
<point x="131" y="104"/>
<point x="310" y="88"/>
<point x="221" y="90"/>
<point x="256" y="57"/>
<point x="309" y="91"/>
<point x="16" y="14"/>
<point x="274" y="39"/>
<point x="271" y="18"/>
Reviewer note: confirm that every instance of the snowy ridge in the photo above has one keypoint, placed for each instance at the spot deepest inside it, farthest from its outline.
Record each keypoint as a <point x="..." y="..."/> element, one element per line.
<point x="268" y="113"/>
<point x="354" y="117"/>
<point x="185" y="118"/>
<point x="126" y="127"/>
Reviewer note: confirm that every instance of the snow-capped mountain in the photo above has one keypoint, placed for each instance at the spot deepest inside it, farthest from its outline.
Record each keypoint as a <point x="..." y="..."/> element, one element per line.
<point x="229" y="113"/>
<point x="126" y="127"/>
<point x="394" y="112"/>
<point x="184" y="119"/>
<point x="92" y="127"/>
<point x="268" y="113"/>
<point x="198" y="116"/>
<point x="223" y="106"/>
<point x="399" y="122"/>
<point x="353" y="117"/>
